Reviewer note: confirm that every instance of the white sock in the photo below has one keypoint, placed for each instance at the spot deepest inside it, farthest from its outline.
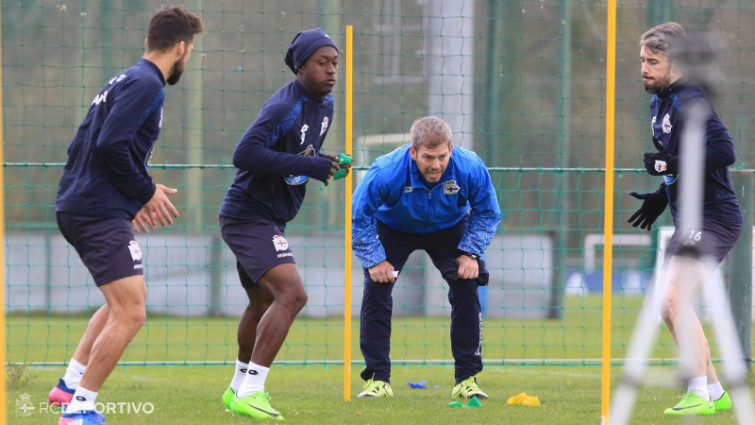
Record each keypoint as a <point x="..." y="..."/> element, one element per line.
<point x="74" y="372"/>
<point x="699" y="386"/>
<point x="716" y="391"/>
<point x="82" y="400"/>
<point x="239" y="375"/>
<point x="253" y="381"/>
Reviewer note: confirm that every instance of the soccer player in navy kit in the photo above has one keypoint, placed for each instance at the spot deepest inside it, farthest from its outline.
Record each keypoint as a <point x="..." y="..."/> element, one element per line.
<point x="721" y="215"/>
<point x="275" y="158"/>
<point x="106" y="193"/>
<point x="439" y="198"/>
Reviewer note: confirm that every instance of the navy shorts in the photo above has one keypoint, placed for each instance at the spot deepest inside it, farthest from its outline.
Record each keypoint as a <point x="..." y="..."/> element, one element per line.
<point x="106" y="245"/>
<point x="258" y="245"/>
<point x="716" y="240"/>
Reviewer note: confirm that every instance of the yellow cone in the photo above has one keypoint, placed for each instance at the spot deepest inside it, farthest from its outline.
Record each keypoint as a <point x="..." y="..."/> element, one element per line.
<point x="517" y="399"/>
<point x="522" y="399"/>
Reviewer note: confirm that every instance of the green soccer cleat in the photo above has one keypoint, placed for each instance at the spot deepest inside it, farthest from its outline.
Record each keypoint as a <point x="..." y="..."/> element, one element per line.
<point x="227" y="397"/>
<point x="723" y="403"/>
<point x="468" y="388"/>
<point x="692" y="404"/>
<point x="256" y="406"/>
<point x="376" y="389"/>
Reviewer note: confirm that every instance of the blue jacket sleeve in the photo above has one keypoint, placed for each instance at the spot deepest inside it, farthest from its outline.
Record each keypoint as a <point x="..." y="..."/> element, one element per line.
<point x="114" y="143"/>
<point x="366" y="200"/>
<point x="254" y="152"/>
<point x="485" y="213"/>
<point x="719" y="148"/>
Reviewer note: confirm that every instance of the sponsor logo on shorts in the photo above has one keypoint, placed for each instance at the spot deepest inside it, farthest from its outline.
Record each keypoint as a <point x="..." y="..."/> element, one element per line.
<point x="280" y="243"/>
<point x="136" y="252"/>
<point x="285" y="254"/>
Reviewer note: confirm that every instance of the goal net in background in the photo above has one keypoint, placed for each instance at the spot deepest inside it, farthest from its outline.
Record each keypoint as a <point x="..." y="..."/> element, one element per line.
<point x="521" y="82"/>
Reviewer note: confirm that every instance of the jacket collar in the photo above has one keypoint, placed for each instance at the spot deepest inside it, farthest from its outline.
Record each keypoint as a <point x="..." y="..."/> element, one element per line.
<point x="674" y="88"/>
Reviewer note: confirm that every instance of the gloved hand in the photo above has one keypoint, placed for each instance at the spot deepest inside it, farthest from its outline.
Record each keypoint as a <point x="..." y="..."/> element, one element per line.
<point x="660" y="163"/>
<point x="652" y="207"/>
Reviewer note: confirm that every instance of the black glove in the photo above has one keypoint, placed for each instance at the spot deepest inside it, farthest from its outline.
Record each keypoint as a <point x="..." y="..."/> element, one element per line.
<point x="660" y="163"/>
<point x="652" y="206"/>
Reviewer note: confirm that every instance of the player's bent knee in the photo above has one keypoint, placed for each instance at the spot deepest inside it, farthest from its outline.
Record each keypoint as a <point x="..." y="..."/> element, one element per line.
<point x="293" y="300"/>
<point x="133" y="317"/>
<point x="299" y="300"/>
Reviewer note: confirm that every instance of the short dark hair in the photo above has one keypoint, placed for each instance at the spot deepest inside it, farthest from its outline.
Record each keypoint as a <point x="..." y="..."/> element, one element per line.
<point x="667" y="38"/>
<point x="428" y="126"/>
<point x="170" y="26"/>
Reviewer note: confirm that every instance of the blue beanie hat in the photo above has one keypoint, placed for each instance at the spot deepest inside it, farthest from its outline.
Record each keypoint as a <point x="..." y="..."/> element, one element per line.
<point x="304" y="45"/>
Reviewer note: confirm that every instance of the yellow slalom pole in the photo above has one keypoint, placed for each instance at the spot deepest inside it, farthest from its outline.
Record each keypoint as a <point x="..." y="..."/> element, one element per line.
<point x="3" y="336"/>
<point x="347" y="216"/>
<point x="605" y="398"/>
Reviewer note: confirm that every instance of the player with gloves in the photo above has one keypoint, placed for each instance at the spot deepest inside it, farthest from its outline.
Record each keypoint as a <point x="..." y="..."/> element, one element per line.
<point x="721" y="215"/>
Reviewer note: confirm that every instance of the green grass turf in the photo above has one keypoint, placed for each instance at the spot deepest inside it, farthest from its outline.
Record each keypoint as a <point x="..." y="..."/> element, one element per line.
<point x="41" y="338"/>
<point x="314" y="395"/>
<point x="569" y="391"/>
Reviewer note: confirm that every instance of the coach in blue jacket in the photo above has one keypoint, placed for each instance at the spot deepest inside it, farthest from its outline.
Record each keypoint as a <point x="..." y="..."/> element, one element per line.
<point x="439" y="198"/>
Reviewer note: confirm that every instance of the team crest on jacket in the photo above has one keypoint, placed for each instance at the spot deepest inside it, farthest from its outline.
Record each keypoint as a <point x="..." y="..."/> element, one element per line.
<point x="280" y="243"/>
<point x="667" y="124"/>
<point x="297" y="180"/>
<point x="450" y="187"/>
<point x="324" y="126"/>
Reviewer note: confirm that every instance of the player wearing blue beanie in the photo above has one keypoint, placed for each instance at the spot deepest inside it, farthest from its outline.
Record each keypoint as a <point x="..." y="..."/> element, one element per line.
<point x="275" y="158"/>
<point x="304" y="45"/>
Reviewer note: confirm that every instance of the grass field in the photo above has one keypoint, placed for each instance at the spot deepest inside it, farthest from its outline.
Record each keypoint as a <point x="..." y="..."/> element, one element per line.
<point x="552" y="359"/>
<point x="314" y="395"/>
<point x="42" y="338"/>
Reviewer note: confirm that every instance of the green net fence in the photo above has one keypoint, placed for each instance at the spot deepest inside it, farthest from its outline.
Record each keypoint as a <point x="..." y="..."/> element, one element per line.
<point x="521" y="82"/>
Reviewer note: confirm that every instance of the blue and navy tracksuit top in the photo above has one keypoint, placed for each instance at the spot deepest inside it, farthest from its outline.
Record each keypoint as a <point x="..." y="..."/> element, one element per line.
<point x="277" y="154"/>
<point x="107" y="169"/>
<point x="667" y="112"/>
<point x="394" y="192"/>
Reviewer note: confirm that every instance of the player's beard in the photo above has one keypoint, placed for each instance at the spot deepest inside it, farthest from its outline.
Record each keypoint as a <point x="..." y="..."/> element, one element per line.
<point x="436" y="177"/>
<point x="658" y="86"/>
<point x="176" y="70"/>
